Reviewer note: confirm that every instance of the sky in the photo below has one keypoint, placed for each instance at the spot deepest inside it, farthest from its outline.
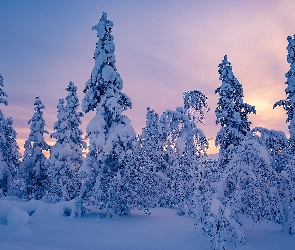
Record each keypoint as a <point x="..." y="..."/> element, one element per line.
<point x="163" y="48"/>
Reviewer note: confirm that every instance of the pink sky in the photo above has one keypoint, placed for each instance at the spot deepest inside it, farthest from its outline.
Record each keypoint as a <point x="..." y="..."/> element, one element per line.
<point x="163" y="48"/>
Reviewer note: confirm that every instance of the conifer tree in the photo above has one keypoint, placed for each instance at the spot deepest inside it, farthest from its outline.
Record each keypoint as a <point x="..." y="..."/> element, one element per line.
<point x="74" y="121"/>
<point x="187" y="145"/>
<point x="145" y="174"/>
<point x="66" y="155"/>
<point x="110" y="133"/>
<point x="5" y="175"/>
<point x="13" y="155"/>
<point x="2" y="93"/>
<point x="289" y="103"/>
<point x="33" y="167"/>
<point x="9" y="150"/>
<point x="150" y="142"/>
<point x="231" y="112"/>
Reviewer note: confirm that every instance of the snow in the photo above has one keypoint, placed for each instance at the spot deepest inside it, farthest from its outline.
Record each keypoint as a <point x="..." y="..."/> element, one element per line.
<point x="47" y="228"/>
<point x="215" y="205"/>
<point x="253" y="176"/>
<point x="108" y="73"/>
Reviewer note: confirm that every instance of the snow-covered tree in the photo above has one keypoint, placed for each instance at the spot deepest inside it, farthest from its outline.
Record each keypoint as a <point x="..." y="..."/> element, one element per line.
<point x="9" y="150"/>
<point x="143" y="187"/>
<point x="145" y="173"/>
<point x="186" y="144"/>
<point x="216" y="219"/>
<point x="12" y="149"/>
<point x="110" y="133"/>
<point x="33" y="167"/>
<point x="2" y="93"/>
<point x="276" y="144"/>
<point x="151" y="143"/>
<point x="60" y="169"/>
<point x="289" y="103"/>
<point x="231" y="112"/>
<point x="74" y="122"/>
<point x="66" y="155"/>
<point x="249" y="183"/>
<point x="251" y="186"/>
<point x="5" y="175"/>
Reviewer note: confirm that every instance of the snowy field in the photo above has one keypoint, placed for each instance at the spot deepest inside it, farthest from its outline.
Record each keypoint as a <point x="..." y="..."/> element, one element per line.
<point x="47" y="229"/>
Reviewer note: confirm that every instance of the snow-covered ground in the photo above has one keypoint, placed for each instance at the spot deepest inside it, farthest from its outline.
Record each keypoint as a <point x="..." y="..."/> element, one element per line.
<point x="46" y="229"/>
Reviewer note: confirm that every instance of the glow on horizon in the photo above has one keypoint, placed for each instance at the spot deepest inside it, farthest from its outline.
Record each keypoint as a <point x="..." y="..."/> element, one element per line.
<point x="162" y="50"/>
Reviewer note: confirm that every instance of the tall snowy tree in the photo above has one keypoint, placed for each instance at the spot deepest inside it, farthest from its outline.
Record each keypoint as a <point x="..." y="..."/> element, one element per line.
<point x="33" y="167"/>
<point x="60" y="169"/>
<point x="231" y="112"/>
<point x="146" y="168"/>
<point x="66" y="155"/>
<point x="74" y="122"/>
<point x="12" y="149"/>
<point x="9" y="150"/>
<point x="110" y="133"/>
<point x="289" y="103"/>
<point x="186" y="144"/>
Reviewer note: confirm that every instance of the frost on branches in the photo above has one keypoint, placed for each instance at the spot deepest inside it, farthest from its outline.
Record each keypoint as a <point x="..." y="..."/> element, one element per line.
<point x="66" y="155"/>
<point x="186" y="145"/>
<point x="289" y="103"/>
<point x="33" y="167"/>
<point x="146" y="168"/>
<point x="276" y="144"/>
<point x="110" y="133"/>
<point x="231" y="112"/>
<point x="9" y="150"/>
<point x="253" y="187"/>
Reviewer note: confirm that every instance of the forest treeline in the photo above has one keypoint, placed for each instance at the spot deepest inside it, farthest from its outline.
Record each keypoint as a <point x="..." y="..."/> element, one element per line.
<point x="167" y="164"/>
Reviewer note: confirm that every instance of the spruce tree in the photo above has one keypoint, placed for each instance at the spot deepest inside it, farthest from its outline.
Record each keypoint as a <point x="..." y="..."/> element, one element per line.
<point x="146" y="168"/>
<point x="66" y="155"/>
<point x="150" y="142"/>
<point x="33" y="166"/>
<point x="74" y="121"/>
<point x="289" y="103"/>
<point x="5" y="175"/>
<point x="186" y="145"/>
<point x="9" y="150"/>
<point x="12" y="149"/>
<point x="110" y="133"/>
<point x="231" y="112"/>
<point x="2" y="93"/>
<point x="59" y="166"/>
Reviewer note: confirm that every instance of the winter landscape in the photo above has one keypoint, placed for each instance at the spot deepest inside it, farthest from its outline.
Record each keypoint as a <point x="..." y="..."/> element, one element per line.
<point x="109" y="187"/>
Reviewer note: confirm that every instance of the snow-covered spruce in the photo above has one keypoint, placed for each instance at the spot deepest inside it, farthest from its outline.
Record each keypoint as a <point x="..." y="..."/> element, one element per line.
<point x="145" y="171"/>
<point x="9" y="150"/>
<point x="66" y="155"/>
<point x="2" y="93"/>
<point x="186" y="145"/>
<point x="289" y="103"/>
<point x="33" y="167"/>
<point x="231" y="112"/>
<point x="110" y="133"/>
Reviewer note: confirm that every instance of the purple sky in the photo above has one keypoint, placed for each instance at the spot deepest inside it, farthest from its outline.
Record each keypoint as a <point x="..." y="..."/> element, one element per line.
<point x="163" y="48"/>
